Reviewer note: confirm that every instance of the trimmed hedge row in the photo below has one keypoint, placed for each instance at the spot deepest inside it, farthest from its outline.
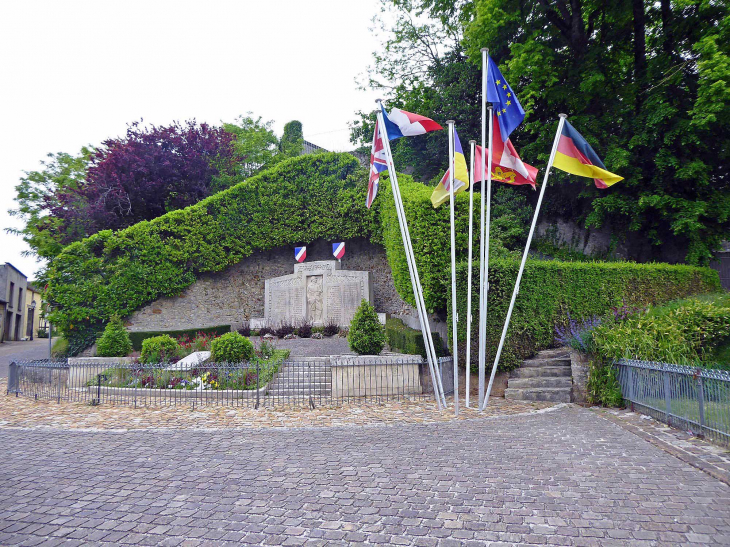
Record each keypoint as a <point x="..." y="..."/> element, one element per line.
<point x="138" y="336"/>
<point x="550" y="290"/>
<point x="406" y="340"/>
<point x="295" y="202"/>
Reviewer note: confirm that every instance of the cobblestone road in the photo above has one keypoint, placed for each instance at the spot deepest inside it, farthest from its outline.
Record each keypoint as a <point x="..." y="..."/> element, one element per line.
<point x="566" y="477"/>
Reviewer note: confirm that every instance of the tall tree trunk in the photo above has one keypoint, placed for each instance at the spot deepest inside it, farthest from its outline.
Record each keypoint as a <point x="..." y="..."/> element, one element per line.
<point x="639" y="49"/>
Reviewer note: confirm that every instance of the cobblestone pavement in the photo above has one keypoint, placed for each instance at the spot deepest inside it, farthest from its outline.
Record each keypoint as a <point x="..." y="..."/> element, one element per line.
<point x="22" y="412"/>
<point x="711" y="458"/>
<point x="565" y="476"/>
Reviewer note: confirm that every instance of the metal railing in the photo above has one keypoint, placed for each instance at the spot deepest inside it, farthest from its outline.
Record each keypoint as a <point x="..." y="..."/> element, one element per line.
<point x="312" y="382"/>
<point x="693" y="399"/>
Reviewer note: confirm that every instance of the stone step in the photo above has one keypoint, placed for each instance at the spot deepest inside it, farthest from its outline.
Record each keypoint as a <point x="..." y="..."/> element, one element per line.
<point x="550" y="394"/>
<point x="300" y="393"/>
<point x="541" y="372"/>
<point x="540" y="382"/>
<point x="546" y="362"/>
<point x="553" y="353"/>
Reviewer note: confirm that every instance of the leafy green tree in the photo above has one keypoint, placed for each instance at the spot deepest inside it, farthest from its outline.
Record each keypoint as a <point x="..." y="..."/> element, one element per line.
<point x="366" y="335"/>
<point x="256" y="146"/>
<point x="292" y="141"/>
<point x="37" y="195"/>
<point x="115" y="341"/>
<point x="647" y="85"/>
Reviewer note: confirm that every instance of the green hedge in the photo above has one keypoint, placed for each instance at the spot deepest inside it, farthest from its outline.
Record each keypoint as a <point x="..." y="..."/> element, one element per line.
<point x="404" y="339"/>
<point x="138" y="337"/>
<point x="296" y="202"/>
<point x="550" y="290"/>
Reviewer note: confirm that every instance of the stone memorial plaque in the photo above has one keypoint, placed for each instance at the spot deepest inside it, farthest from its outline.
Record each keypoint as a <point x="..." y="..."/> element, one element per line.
<point x="319" y="291"/>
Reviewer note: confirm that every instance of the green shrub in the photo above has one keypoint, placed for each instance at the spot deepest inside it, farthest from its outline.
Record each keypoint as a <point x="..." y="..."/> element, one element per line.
<point x="138" y="336"/>
<point x="59" y="348"/>
<point x="115" y="341"/>
<point x="404" y="339"/>
<point x="685" y="332"/>
<point x="602" y="385"/>
<point x="366" y="336"/>
<point x="551" y="291"/>
<point x="232" y="348"/>
<point x="159" y="349"/>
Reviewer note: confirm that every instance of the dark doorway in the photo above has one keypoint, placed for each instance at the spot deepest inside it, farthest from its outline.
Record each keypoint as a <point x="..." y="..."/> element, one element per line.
<point x="17" y="326"/>
<point x="8" y="323"/>
<point x="29" y="328"/>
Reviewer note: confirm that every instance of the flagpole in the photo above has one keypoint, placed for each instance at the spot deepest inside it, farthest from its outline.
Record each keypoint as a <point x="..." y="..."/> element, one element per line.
<point x="524" y="255"/>
<point x="467" y="366"/>
<point x="415" y="281"/>
<point x="454" y="315"/>
<point x="484" y="227"/>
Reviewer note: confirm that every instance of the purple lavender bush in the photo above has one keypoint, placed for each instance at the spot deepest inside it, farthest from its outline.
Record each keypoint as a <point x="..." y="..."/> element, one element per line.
<point x="578" y="333"/>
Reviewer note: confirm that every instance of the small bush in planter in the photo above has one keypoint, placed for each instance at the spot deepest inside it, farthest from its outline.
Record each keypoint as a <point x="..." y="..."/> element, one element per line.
<point x="115" y="341"/>
<point x="159" y="349"/>
<point x="331" y="328"/>
<point x="367" y="335"/>
<point x="304" y="330"/>
<point x="232" y="348"/>
<point x="285" y="328"/>
<point x="245" y="329"/>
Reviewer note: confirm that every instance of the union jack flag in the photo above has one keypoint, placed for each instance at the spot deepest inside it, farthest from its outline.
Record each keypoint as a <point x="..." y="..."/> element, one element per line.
<point x="378" y="164"/>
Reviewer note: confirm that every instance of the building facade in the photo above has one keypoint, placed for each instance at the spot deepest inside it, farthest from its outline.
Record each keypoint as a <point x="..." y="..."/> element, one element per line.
<point x="13" y="289"/>
<point x="33" y="309"/>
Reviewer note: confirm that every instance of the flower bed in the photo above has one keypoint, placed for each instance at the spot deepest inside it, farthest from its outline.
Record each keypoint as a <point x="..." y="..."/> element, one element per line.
<point x="206" y="376"/>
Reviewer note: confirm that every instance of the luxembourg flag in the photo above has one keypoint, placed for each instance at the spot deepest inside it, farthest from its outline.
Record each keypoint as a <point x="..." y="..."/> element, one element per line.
<point x="400" y="123"/>
<point x="300" y="253"/>
<point x="378" y="164"/>
<point x="338" y="249"/>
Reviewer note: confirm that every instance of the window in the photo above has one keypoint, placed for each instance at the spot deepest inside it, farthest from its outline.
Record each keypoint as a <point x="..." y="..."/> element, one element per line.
<point x="10" y="296"/>
<point x="20" y="300"/>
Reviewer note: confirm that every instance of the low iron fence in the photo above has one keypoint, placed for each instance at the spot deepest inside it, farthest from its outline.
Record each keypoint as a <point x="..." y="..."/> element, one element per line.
<point x="311" y="382"/>
<point x="693" y="399"/>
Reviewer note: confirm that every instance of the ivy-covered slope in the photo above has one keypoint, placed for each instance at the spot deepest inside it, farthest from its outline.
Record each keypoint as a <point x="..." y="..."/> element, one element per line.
<point x="294" y="203"/>
<point x="319" y="197"/>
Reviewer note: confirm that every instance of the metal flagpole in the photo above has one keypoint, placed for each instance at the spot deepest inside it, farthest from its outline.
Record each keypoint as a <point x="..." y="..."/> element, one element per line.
<point x="415" y="282"/>
<point x="467" y="366"/>
<point x="485" y="220"/>
<point x="524" y="255"/>
<point x="454" y="316"/>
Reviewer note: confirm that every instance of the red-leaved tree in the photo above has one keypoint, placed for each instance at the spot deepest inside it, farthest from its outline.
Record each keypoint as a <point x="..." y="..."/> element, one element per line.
<point x="147" y="173"/>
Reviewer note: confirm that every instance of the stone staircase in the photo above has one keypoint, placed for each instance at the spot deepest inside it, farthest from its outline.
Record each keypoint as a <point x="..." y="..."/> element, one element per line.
<point x="546" y="377"/>
<point x="302" y="379"/>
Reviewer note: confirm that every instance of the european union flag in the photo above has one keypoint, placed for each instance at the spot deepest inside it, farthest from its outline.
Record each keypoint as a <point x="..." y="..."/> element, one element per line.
<point x="507" y="108"/>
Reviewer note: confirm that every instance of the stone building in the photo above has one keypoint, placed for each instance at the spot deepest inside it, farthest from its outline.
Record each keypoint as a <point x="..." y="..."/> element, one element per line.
<point x="13" y="288"/>
<point x="33" y="308"/>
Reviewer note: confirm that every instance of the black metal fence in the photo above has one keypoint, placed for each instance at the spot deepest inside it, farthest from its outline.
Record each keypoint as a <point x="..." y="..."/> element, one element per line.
<point x="693" y="399"/>
<point x="312" y="382"/>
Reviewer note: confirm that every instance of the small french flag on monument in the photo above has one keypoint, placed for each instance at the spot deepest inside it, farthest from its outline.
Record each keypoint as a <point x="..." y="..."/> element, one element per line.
<point x="300" y="253"/>
<point x="338" y="249"/>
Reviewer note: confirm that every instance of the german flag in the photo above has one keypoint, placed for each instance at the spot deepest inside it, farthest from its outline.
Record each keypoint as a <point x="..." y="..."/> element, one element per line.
<point x="575" y="156"/>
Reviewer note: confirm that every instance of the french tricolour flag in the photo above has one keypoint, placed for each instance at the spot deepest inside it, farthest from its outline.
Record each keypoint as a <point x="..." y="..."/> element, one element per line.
<point x="400" y="123"/>
<point x="300" y="253"/>
<point x="338" y="249"/>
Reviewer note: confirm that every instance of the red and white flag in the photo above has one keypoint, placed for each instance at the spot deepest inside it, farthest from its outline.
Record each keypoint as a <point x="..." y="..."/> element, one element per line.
<point x="506" y="163"/>
<point x="378" y="164"/>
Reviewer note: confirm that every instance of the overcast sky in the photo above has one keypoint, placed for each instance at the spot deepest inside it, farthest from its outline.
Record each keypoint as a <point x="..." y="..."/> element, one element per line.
<point x="76" y="72"/>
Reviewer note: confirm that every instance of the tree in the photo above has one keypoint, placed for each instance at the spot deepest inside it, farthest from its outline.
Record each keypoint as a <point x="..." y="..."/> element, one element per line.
<point x="366" y="335"/>
<point x="647" y="85"/>
<point x="37" y="195"/>
<point x="255" y="147"/>
<point x="292" y="141"/>
<point x="145" y="174"/>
